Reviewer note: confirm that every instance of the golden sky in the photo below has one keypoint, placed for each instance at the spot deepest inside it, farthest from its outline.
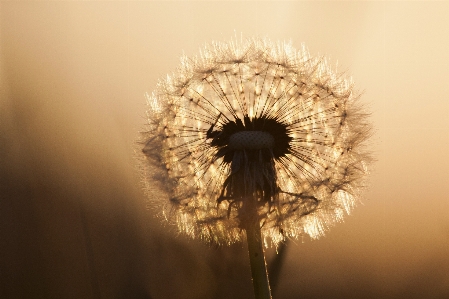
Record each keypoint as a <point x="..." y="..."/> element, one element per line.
<point x="73" y="79"/>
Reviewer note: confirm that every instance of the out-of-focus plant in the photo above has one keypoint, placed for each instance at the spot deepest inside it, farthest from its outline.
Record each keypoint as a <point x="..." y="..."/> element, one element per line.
<point x="255" y="139"/>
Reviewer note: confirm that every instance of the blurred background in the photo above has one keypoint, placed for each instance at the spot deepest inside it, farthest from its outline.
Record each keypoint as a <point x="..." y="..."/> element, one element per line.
<point x="74" y="221"/>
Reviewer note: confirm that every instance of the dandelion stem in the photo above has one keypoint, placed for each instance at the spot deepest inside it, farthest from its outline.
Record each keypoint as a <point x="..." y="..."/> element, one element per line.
<point x="257" y="262"/>
<point x="276" y="266"/>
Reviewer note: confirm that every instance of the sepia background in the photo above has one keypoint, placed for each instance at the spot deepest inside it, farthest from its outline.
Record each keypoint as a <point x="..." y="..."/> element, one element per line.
<point x="74" y="222"/>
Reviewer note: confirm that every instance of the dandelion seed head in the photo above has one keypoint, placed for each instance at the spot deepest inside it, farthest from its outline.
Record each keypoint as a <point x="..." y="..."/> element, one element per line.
<point x="258" y="121"/>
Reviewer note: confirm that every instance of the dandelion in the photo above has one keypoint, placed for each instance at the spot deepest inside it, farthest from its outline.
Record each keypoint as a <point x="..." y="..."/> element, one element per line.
<point x="256" y="139"/>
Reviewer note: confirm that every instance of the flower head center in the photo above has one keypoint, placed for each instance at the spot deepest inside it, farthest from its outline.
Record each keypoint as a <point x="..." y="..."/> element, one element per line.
<point x="253" y="140"/>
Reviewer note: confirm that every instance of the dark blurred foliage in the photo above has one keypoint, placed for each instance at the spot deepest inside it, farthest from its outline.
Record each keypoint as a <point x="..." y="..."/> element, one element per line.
<point x="73" y="225"/>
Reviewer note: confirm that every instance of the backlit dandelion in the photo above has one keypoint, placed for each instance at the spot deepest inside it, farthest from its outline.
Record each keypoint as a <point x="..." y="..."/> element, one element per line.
<point x="254" y="133"/>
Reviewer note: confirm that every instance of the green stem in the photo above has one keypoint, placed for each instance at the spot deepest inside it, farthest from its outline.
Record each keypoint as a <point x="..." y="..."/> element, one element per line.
<point x="257" y="261"/>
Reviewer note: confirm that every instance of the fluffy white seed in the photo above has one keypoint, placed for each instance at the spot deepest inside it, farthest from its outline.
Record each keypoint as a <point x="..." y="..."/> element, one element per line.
<point x="320" y="177"/>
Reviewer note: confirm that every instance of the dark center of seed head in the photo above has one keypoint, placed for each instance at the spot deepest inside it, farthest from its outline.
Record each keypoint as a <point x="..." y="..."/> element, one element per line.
<point x="251" y="140"/>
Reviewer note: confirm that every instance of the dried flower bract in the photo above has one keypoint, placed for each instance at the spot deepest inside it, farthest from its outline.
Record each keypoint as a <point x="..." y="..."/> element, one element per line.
<point x="255" y="122"/>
